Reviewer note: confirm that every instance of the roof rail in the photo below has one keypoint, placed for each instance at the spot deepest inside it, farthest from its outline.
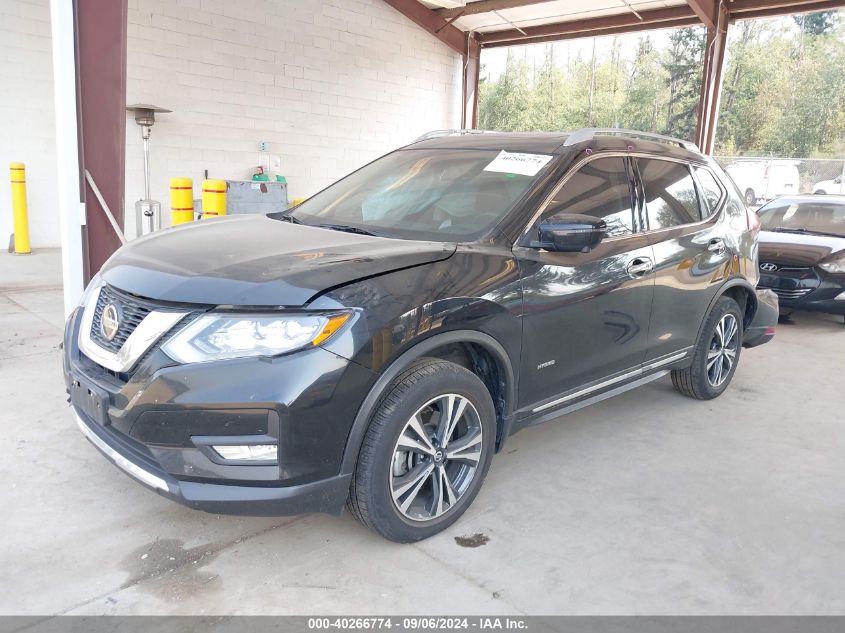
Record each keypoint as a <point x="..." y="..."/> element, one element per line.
<point x="588" y="133"/>
<point x="454" y="132"/>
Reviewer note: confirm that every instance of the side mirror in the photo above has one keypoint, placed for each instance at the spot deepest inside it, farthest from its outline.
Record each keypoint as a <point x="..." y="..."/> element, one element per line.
<point x="570" y="233"/>
<point x="837" y="180"/>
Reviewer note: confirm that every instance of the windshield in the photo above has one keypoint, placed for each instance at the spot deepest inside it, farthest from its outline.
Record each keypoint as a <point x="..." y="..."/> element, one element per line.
<point x="449" y="195"/>
<point x="812" y="216"/>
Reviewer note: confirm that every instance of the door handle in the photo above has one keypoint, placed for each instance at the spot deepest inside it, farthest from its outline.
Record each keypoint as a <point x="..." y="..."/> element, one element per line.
<point x="640" y="266"/>
<point x="717" y="245"/>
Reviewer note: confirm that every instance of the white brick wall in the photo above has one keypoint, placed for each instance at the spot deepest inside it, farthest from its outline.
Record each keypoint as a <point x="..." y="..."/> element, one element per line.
<point x="26" y="117"/>
<point x="329" y="84"/>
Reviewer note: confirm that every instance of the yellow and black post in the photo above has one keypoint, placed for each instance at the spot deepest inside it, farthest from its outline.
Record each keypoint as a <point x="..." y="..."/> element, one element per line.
<point x="20" y="220"/>
<point x="181" y="200"/>
<point x="213" y="198"/>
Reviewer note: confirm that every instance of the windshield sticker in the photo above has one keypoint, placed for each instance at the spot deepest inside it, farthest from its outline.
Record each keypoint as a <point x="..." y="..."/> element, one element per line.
<point x="516" y="163"/>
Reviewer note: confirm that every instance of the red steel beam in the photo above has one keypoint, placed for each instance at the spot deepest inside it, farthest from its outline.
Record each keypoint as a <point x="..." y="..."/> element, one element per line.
<point x="748" y="9"/>
<point x="623" y="22"/>
<point x="472" y="70"/>
<point x="711" y="83"/>
<point x="101" y="92"/>
<point x="670" y="24"/>
<point x="706" y="10"/>
<point x="429" y="21"/>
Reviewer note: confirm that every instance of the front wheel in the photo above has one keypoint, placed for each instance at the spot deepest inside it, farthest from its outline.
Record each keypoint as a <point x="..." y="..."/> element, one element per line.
<point x="426" y="452"/>
<point x="716" y="354"/>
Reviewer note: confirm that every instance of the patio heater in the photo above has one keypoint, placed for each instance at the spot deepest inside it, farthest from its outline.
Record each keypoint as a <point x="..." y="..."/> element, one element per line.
<point x="147" y="211"/>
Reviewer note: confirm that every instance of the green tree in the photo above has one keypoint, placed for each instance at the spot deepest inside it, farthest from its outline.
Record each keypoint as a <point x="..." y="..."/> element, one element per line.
<point x="755" y="90"/>
<point x="507" y="105"/>
<point x="817" y="23"/>
<point x="549" y="95"/>
<point x="814" y="119"/>
<point x="783" y="92"/>
<point x="683" y="65"/>
<point x="645" y="92"/>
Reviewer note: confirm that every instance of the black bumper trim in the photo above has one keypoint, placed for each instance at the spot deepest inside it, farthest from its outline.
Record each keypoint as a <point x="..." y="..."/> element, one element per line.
<point x="326" y="495"/>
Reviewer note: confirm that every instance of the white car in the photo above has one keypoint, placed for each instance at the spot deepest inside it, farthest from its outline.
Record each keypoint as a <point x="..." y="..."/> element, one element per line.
<point x="762" y="180"/>
<point x="835" y="186"/>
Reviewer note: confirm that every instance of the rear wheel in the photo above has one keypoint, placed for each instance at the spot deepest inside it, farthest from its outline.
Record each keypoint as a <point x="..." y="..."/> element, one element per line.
<point x="750" y="198"/>
<point x="426" y="452"/>
<point x="716" y="354"/>
<point x="820" y="192"/>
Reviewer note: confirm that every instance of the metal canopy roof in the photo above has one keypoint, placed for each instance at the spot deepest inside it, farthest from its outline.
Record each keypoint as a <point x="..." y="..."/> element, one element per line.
<point x="508" y="22"/>
<point x="523" y="16"/>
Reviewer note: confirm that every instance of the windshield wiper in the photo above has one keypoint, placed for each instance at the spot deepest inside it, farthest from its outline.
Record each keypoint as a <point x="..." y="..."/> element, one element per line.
<point x="783" y="229"/>
<point x="287" y="217"/>
<point x="346" y="229"/>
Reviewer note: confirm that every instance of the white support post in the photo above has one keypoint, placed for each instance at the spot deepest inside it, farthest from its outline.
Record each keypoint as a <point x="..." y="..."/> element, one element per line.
<point x="71" y="210"/>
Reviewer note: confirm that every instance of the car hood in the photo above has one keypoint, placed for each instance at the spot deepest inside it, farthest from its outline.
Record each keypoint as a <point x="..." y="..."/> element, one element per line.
<point x="258" y="261"/>
<point x="795" y="249"/>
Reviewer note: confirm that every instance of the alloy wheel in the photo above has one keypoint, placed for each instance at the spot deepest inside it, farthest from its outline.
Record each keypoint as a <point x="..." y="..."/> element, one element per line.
<point x="721" y="354"/>
<point x="436" y="457"/>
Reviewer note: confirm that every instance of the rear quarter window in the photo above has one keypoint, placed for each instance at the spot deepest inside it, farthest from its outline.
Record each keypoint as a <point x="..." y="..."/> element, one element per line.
<point x="670" y="192"/>
<point x="711" y="191"/>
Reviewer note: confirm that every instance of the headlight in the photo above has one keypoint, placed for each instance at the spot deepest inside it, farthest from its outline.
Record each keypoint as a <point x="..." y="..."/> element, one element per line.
<point x="834" y="265"/>
<point x="221" y="336"/>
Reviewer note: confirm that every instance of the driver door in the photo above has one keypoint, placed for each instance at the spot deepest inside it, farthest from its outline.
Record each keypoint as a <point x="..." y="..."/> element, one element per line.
<point x="586" y="315"/>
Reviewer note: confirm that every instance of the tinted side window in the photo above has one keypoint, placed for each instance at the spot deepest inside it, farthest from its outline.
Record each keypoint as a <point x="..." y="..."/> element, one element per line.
<point x="671" y="197"/>
<point x="711" y="190"/>
<point x="600" y="189"/>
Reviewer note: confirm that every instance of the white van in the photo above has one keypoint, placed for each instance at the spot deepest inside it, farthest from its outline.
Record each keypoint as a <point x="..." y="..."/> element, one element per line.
<point x="762" y="180"/>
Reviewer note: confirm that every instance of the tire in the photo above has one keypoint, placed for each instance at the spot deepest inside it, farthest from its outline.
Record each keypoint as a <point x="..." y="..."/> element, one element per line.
<point x="820" y="192"/>
<point x="750" y="198"/>
<point x="712" y="354"/>
<point x="390" y="490"/>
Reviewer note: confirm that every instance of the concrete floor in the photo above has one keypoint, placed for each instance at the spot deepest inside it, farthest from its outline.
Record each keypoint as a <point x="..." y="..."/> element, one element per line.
<point x="649" y="503"/>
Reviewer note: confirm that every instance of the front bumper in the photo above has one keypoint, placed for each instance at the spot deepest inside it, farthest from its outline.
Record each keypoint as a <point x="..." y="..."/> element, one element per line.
<point x="158" y="423"/>
<point x="327" y="495"/>
<point x="808" y="289"/>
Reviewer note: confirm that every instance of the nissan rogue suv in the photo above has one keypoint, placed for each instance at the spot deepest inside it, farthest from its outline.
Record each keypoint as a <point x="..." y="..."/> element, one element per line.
<point x="374" y="346"/>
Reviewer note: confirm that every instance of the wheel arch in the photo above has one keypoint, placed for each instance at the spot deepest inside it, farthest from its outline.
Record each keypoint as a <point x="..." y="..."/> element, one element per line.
<point x="479" y="352"/>
<point x="740" y="291"/>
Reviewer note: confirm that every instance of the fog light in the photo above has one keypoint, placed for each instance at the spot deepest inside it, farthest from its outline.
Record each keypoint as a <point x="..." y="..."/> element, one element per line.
<point x="250" y="453"/>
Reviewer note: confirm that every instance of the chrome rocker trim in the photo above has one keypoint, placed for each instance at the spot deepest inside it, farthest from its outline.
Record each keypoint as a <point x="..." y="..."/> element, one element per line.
<point x="645" y="369"/>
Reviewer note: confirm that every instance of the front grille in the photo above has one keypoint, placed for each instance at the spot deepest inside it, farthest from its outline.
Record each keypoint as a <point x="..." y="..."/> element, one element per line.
<point x="783" y="269"/>
<point x="132" y="311"/>
<point x="789" y="293"/>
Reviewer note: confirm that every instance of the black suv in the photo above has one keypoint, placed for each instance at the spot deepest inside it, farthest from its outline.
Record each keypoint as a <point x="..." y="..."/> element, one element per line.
<point x="377" y="344"/>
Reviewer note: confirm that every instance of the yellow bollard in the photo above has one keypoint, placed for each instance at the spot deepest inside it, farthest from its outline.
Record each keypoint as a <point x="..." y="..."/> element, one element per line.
<point x="181" y="200"/>
<point x="213" y="198"/>
<point x="20" y="221"/>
